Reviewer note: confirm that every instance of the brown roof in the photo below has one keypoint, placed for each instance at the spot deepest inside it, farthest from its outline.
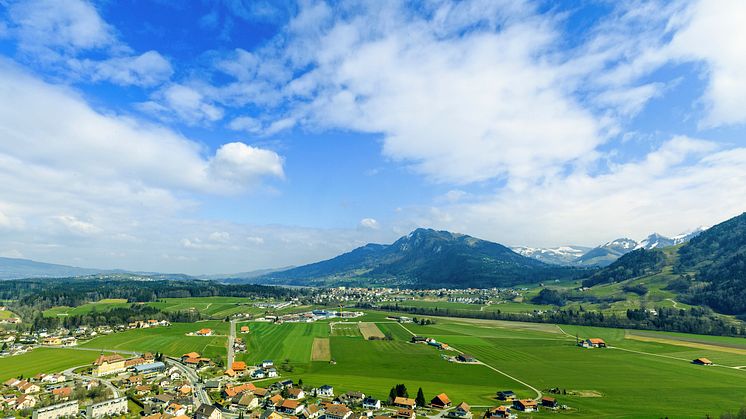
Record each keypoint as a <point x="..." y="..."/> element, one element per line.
<point x="238" y="366"/>
<point x="463" y="406"/>
<point x="703" y="360"/>
<point x="338" y="409"/>
<point x="191" y="355"/>
<point x="527" y="402"/>
<point x="234" y="390"/>
<point x="596" y="340"/>
<point x="290" y="404"/>
<point x="443" y="398"/>
<point x="404" y="401"/>
<point x="63" y="392"/>
<point x="108" y="359"/>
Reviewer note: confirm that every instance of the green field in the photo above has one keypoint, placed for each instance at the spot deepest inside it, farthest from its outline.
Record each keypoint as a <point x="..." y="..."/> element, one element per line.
<point x="43" y="360"/>
<point x="99" y="306"/>
<point x="168" y="340"/>
<point x="611" y="382"/>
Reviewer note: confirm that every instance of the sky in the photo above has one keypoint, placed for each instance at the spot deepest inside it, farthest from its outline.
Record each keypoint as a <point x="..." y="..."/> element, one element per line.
<point x="231" y="135"/>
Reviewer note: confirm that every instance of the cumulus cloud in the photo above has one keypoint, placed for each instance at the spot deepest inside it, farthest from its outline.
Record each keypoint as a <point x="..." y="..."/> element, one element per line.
<point x="370" y="223"/>
<point x="184" y="102"/>
<point x="148" y="69"/>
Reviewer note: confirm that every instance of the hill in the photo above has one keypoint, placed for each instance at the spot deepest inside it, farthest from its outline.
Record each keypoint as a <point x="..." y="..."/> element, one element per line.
<point x="631" y="265"/>
<point x="12" y="268"/>
<point x="428" y="259"/>
<point x="717" y="257"/>
<point x="607" y="253"/>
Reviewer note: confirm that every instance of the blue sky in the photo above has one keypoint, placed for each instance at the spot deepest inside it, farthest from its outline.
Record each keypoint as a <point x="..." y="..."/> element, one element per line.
<point x="224" y="136"/>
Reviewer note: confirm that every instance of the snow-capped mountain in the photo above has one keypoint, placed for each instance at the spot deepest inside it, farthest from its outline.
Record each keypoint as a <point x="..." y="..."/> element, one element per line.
<point x="685" y="237"/>
<point x="654" y="241"/>
<point x="563" y="255"/>
<point x="606" y="253"/>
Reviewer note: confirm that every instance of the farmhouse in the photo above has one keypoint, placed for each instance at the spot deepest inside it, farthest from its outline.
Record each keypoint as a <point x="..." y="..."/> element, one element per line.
<point x="244" y="329"/>
<point x="549" y="402"/>
<point x="204" y="332"/>
<point x="506" y="395"/>
<point x="702" y="361"/>
<point x="462" y="411"/>
<point x="499" y="412"/>
<point x="441" y="401"/>
<point x="593" y="343"/>
<point x="351" y="398"/>
<point x="405" y="414"/>
<point x="526" y="405"/>
<point x="405" y="403"/>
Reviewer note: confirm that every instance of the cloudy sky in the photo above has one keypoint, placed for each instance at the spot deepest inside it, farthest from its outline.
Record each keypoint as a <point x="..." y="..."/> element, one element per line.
<point x="225" y="136"/>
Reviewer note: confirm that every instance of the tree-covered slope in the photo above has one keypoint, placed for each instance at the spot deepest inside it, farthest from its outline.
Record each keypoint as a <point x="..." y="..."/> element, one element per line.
<point x="631" y="265"/>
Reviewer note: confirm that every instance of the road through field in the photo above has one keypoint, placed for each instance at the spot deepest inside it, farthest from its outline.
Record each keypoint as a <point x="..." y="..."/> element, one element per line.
<point x="231" y="343"/>
<point x="536" y="390"/>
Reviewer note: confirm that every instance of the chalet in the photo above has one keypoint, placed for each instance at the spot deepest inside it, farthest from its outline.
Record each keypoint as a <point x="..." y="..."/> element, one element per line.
<point x="371" y="403"/>
<point x="28" y="388"/>
<point x="404" y="414"/>
<point x="462" y="411"/>
<point x="207" y="411"/>
<point x="230" y="373"/>
<point x="526" y="405"/>
<point x="466" y="358"/>
<point x="271" y="372"/>
<point x="325" y="391"/>
<point x="702" y="361"/>
<point x="204" y="332"/>
<point x="25" y="401"/>
<point x="441" y="401"/>
<point x="275" y="400"/>
<point x="404" y="403"/>
<point x="311" y="412"/>
<point x="549" y="402"/>
<point x="337" y="411"/>
<point x="261" y="392"/>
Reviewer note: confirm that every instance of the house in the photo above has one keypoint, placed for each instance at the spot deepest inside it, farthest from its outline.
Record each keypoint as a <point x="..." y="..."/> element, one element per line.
<point x="28" y="388"/>
<point x="526" y="405"/>
<point x="244" y="329"/>
<point x="351" y="398"/>
<point x="466" y="358"/>
<point x="371" y="403"/>
<point x="261" y="392"/>
<point x="324" y="391"/>
<point x="290" y="407"/>
<point x="311" y="412"/>
<point x="271" y="372"/>
<point x="337" y="411"/>
<point x="207" y="411"/>
<point x="52" y="341"/>
<point x="230" y="373"/>
<point x="275" y="400"/>
<point x="441" y="401"/>
<point x="404" y="403"/>
<point x="549" y="402"/>
<point x="499" y="412"/>
<point x="189" y="355"/>
<point x="175" y="409"/>
<point x="256" y="374"/>
<point x="404" y="414"/>
<point x="25" y="402"/>
<point x="245" y="401"/>
<point x="593" y="343"/>
<point x="63" y="393"/>
<point x="462" y="411"/>
<point x="239" y="367"/>
<point x="204" y="332"/>
<point x="296" y="393"/>
<point x="267" y="363"/>
<point x="232" y="391"/>
<point x="142" y="390"/>
<point x="185" y="390"/>
<point x="702" y="361"/>
<point x="506" y="395"/>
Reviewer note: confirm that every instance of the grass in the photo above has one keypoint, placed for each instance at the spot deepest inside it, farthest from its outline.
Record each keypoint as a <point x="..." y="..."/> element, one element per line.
<point x="168" y="340"/>
<point x="346" y="329"/>
<point x="98" y="306"/>
<point x="43" y="360"/>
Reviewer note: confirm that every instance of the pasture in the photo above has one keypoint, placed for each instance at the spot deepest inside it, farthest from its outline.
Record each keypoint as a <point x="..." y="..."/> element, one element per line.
<point x="95" y="307"/>
<point x="168" y="340"/>
<point x="43" y="360"/>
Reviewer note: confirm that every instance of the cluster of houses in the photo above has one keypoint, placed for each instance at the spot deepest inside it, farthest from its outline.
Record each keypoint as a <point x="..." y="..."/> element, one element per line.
<point x="430" y="342"/>
<point x="265" y="369"/>
<point x="592" y="343"/>
<point x="310" y="316"/>
<point x="56" y="395"/>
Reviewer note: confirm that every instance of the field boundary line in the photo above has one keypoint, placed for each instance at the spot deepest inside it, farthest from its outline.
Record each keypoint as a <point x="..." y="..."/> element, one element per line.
<point x="405" y="328"/>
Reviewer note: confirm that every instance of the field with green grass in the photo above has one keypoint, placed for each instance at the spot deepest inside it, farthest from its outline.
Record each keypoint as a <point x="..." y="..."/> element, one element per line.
<point x="98" y="306"/>
<point x="171" y="340"/>
<point x="611" y="382"/>
<point x="43" y="360"/>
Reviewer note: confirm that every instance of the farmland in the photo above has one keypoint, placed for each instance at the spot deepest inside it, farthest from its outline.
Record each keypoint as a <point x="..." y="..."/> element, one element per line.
<point x="168" y="340"/>
<point x="43" y="360"/>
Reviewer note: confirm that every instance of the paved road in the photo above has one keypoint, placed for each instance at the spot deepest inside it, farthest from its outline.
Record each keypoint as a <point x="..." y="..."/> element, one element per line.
<point x="197" y="387"/>
<point x="69" y="373"/>
<point x="231" y="342"/>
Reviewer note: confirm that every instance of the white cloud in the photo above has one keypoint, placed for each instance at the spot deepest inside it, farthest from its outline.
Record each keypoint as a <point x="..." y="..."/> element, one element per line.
<point x="370" y="223"/>
<point x="64" y="24"/>
<point x="714" y="31"/>
<point x="240" y="165"/>
<point x="184" y="102"/>
<point x="678" y="186"/>
<point x="77" y="226"/>
<point x="148" y="69"/>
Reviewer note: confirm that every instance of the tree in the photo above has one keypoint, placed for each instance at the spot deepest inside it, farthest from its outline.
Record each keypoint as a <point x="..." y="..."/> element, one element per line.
<point x="300" y="382"/>
<point x="420" y="400"/>
<point x="392" y="394"/>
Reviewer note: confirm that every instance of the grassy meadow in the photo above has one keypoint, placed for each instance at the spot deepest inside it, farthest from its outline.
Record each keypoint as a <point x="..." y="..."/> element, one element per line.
<point x="46" y="360"/>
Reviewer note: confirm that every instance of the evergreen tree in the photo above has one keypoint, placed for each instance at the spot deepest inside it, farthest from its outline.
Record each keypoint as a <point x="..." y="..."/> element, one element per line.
<point x="420" y="400"/>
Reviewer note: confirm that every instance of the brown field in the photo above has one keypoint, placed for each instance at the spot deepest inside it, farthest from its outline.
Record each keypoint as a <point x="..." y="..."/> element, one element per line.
<point x="321" y="350"/>
<point x="689" y="344"/>
<point x="370" y="330"/>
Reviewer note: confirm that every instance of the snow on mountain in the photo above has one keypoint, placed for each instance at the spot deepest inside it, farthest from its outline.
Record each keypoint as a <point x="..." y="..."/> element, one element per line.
<point x="562" y="255"/>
